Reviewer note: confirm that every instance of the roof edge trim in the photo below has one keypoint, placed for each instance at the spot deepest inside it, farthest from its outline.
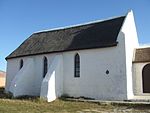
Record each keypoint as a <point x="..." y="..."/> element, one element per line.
<point x="111" y="45"/>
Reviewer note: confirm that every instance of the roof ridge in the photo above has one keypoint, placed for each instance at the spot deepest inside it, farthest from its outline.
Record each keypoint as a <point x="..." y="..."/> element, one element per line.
<point x="78" y="25"/>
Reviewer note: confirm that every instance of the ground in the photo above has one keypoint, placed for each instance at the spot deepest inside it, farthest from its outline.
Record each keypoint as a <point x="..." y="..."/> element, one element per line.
<point x="35" y="105"/>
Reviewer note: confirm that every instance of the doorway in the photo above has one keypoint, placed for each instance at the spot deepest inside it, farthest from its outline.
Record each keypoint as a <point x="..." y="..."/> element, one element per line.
<point x="146" y="78"/>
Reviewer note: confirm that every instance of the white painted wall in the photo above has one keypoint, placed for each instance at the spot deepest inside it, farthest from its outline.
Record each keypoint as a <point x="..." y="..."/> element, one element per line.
<point x="93" y="81"/>
<point x="52" y="84"/>
<point x="131" y="42"/>
<point x="23" y="82"/>
<point x="13" y="68"/>
<point x="137" y="79"/>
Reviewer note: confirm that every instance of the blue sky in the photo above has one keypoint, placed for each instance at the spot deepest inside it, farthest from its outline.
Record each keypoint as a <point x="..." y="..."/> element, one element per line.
<point x="20" y="18"/>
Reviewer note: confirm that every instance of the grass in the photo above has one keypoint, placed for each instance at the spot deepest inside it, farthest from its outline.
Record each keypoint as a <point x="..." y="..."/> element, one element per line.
<point x="35" y="105"/>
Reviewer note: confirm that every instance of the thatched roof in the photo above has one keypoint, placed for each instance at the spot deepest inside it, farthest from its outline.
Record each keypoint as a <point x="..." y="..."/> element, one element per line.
<point x="142" y="55"/>
<point x="88" y="36"/>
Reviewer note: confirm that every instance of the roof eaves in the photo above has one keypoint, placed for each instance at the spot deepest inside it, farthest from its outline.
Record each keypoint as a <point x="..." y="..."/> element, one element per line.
<point x="111" y="45"/>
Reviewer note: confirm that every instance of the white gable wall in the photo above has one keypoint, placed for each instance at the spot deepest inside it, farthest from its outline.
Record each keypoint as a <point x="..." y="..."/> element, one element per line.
<point x="131" y="42"/>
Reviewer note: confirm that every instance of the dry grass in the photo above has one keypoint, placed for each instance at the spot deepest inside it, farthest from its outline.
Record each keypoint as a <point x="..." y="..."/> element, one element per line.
<point x="35" y="105"/>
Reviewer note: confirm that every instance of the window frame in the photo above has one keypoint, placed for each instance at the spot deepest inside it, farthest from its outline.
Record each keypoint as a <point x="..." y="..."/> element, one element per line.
<point x="45" y="66"/>
<point x="77" y="65"/>
<point x="21" y="64"/>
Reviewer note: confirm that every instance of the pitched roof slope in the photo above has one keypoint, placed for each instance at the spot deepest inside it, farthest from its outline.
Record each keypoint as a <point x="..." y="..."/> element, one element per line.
<point x="142" y="55"/>
<point x="88" y="36"/>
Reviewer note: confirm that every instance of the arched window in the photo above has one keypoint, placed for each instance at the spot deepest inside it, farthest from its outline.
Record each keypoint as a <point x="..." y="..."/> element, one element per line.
<point x="45" y="66"/>
<point x="77" y="65"/>
<point x="21" y="63"/>
<point x="146" y="78"/>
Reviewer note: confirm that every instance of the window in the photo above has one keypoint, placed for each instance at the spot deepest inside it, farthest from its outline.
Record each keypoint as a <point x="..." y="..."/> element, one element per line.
<point x="146" y="78"/>
<point x="77" y="65"/>
<point x="45" y="66"/>
<point x="21" y="63"/>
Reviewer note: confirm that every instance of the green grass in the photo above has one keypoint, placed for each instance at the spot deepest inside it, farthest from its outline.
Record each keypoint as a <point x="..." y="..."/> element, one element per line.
<point x="35" y="105"/>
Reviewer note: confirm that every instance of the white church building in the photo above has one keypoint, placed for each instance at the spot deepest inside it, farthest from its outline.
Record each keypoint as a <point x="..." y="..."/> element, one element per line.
<point x="99" y="60"/>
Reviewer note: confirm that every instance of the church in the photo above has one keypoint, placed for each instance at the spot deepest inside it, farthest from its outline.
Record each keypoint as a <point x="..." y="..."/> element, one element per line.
<point x="99" y="60"/>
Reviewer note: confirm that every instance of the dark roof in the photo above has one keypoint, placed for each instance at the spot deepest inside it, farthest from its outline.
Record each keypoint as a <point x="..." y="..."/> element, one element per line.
<point x="142" y="55"/>
<point x="88" y="36"/>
